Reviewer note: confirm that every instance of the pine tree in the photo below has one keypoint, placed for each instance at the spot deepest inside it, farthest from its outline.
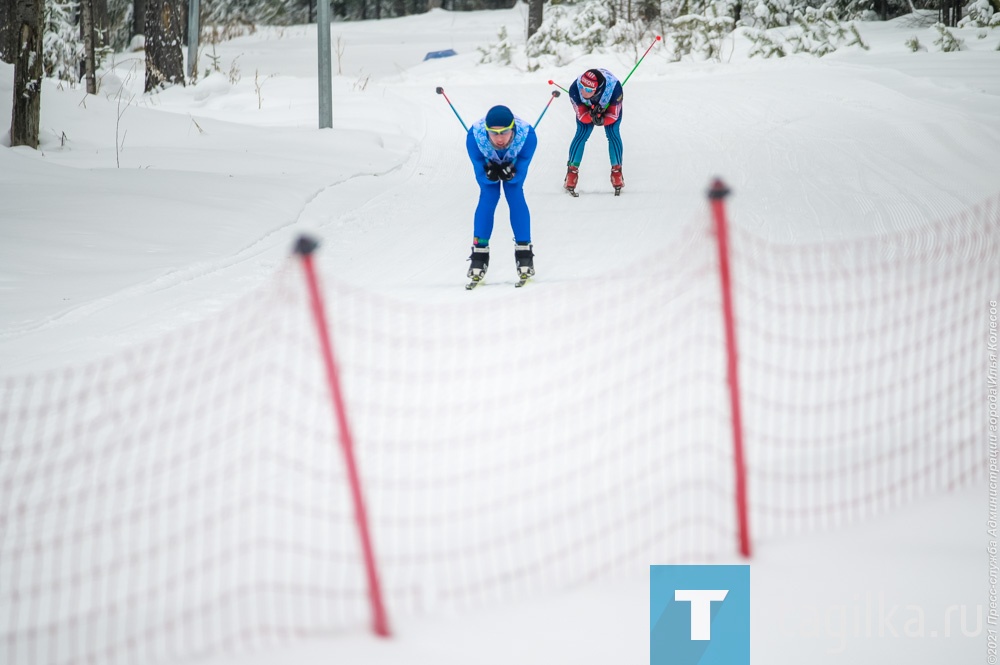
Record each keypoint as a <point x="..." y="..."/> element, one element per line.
<point x="61" y="44"/>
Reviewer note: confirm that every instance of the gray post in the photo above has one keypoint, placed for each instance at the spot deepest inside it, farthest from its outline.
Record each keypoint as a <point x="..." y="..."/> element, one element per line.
<point x="194" y="35"/>
<point x="325" y="66"/>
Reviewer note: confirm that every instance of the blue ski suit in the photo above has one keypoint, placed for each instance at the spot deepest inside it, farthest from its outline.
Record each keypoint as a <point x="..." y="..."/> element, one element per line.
<point x="519" y="153"/>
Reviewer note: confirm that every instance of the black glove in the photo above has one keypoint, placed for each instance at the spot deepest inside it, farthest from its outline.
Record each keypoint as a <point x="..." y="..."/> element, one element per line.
<point x="492" y="171"/>
<point x="597" y="115"/>
<point x="507" y="171"/>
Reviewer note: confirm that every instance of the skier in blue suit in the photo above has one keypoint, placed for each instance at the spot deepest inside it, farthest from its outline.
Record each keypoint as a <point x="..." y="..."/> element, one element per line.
<point x="597" y="99"/>
<point x="500" y="147"/>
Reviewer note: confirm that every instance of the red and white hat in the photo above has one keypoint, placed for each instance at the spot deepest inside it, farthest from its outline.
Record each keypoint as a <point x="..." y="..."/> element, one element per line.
<point x="589" y="79"/>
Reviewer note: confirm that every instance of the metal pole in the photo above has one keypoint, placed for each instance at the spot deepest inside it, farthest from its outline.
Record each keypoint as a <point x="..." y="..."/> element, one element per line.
<point x="194" y="34"/>
<point x="325" y="65"/>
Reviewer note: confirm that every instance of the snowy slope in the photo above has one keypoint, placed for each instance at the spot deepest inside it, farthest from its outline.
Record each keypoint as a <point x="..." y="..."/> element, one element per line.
<point x="140" y="213"/>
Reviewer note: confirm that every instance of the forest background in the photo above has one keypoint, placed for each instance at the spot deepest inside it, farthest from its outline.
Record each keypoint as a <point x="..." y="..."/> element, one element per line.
<point x="75" y="37"/>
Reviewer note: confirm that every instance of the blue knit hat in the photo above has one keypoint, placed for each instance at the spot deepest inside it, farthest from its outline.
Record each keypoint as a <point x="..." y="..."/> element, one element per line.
<point x="499" y="116"/>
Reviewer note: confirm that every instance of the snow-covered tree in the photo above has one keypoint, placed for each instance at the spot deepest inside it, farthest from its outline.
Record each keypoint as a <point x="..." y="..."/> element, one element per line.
<point x="817" y="31"/>
<point x="980" y="14"/>
<point x="571" y="30"/>
<point x="701" y="34"/>
<point x="500" y="51"/>
<point x="62" y="48"/>
<point x="946" y="39"/>
<point x="765" y="44"/>
<point x="775" y="28"/>
<point x="120" y="24"/>
<point x="256" y="12"/>
<point x="767" y="14"/>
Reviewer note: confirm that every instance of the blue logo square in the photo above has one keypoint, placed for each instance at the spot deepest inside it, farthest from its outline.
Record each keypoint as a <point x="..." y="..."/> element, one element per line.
<point x="699" y="615"/>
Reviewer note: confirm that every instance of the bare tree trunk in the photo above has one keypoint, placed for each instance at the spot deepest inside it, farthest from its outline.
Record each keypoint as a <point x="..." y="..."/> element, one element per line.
<point x="535" y="16"/>
<point x="138" y="17"/>
<point x="183" y="18"/>
<point x="950" y="12"/>
<point x="26" y="113"/>
<point x="87" y="31"/>
<point x="164" y="57"/>
<point x="8" y="35"/>
<point x="650" y="10"/>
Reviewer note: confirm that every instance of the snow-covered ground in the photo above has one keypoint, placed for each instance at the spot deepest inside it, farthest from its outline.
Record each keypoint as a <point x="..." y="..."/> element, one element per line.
<point x="140" y="213"/>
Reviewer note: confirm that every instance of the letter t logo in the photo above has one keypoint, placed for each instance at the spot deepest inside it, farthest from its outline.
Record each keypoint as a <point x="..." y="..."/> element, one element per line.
<point x="701" y="609"/>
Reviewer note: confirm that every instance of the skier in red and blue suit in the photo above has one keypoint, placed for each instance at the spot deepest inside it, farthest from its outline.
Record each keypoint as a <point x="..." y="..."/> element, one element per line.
<point x="501" y="146"/>
<point x="597" y="99"/>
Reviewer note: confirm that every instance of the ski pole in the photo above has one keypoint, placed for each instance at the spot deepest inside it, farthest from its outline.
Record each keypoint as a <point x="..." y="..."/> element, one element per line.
<point x="551" y="82"/>
<point x="439" y="90"/>
<point x="642" y="58"/>
<point x="555" y="93"/>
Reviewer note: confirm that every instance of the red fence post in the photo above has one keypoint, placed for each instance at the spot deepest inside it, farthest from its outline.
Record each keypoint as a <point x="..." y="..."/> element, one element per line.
<point x="716" y="196"/>
<point x="305" y="248"/>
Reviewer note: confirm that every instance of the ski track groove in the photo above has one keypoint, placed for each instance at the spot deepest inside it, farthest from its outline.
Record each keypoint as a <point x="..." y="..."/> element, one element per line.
<point x="184" y="276"/>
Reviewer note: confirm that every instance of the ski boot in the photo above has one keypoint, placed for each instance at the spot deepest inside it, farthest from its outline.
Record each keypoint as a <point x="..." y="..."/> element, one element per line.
<point x="572" y="176"/>
<point x="480" y="261"/>
<point x="525" y="260"/>
<point x="617" y="179"/>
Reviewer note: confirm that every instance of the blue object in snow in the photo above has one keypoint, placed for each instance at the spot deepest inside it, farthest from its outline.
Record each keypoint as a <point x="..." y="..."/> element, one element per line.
<point x="447" y="53"/>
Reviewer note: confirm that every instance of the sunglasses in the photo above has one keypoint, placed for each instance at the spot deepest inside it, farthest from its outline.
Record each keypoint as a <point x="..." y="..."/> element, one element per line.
<point x="586" y="89"/>
<point x="500" y="131"/>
